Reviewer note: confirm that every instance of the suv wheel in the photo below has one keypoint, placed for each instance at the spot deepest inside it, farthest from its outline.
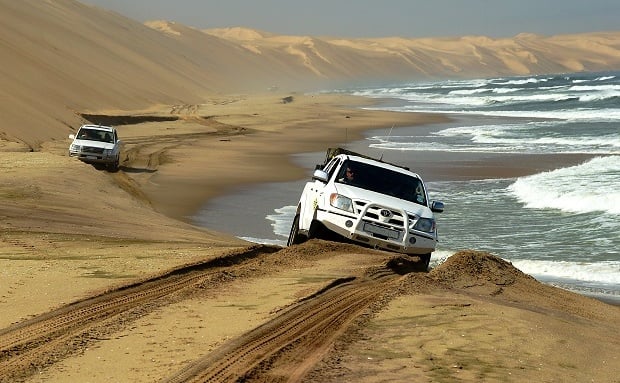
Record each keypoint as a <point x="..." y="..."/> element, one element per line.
<point x="294" y="237"/>
<point x="425" y="260"/>
<point x="113" y="166"/>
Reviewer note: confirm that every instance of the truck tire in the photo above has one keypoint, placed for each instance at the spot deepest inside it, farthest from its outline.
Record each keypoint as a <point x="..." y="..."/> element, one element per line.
<point x="294" y="238"/>
<point x="316" y="230"/>
<point x="113" y="167"/>
<point x="425" y="260"/>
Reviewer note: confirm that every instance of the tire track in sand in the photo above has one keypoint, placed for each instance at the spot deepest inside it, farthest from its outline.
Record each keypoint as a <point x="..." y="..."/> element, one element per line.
<point x="29" y="346"/>
<point x="285" y="348"/>
<point x="288" y="346"/>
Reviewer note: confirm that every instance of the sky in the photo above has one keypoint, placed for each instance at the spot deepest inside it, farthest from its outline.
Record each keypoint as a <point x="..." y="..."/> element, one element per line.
<point x="381" y="18"/>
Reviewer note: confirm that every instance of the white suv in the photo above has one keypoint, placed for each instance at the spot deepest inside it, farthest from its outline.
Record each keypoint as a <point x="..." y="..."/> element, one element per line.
<point x="369" y="202"/>
<point x="96" y="144"/>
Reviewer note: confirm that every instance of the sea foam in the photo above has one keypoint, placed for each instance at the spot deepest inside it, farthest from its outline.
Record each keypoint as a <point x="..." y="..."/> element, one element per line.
<point x="282" y="220"/>
<point x="593" y="186"/>
<point x="504" y="138"/>
<point x="607" y="273"/>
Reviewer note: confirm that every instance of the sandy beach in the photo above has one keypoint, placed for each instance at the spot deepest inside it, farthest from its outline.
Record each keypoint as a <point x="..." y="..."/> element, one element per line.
<point x="104" y="278"/>
<point x="71" y="232"/>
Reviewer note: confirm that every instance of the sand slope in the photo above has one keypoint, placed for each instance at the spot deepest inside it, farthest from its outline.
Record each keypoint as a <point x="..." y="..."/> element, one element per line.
<point x="62" y="58"/>
<point x="69" y="231"/>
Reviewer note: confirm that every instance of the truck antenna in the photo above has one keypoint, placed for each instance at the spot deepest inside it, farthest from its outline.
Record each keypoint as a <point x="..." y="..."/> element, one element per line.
<point x="388" y="140"/>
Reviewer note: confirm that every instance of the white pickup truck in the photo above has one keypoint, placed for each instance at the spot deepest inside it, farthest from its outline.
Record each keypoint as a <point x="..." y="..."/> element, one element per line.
<point x="96" y="144"/>
<point x="369" y="202"/>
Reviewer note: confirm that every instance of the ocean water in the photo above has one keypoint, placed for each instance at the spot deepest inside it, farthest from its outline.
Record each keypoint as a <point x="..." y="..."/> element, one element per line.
<point x="561" y="226"/>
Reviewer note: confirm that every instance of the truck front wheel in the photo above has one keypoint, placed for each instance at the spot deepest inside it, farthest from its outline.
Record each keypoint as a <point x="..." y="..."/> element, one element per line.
<point x="294" y="237"/>
<point x="425" y="260"/>
<point x="113" y="166"/>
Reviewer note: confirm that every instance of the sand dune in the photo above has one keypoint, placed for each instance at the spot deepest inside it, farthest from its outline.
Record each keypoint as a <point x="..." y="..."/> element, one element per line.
<point x="182" y="99"/>
<point x="63" y="58"/>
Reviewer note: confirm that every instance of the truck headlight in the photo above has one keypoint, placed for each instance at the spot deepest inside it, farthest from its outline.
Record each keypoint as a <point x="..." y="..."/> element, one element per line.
<point x="426" y="225"/>
<point x="341" y="202"/>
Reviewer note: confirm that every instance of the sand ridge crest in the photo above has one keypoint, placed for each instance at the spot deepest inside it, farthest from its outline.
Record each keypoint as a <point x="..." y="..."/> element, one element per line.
<point x="92" y="60"/>
<point x="469" y="268"/>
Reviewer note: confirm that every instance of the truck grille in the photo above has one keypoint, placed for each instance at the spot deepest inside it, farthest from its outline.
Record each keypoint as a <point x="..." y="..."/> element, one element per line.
<point x="92" y="149"/>
<point x="382" y="215"/>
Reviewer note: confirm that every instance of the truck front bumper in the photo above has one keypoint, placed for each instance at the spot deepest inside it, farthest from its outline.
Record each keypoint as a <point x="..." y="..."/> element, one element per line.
<point x="385" y="237"/>
<point x="95" y="158"/>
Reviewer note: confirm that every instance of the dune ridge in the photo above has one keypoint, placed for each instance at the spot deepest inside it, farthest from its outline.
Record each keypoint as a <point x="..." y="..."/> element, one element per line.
<point x="202" y="113"/>
<point x="70" y="58"/>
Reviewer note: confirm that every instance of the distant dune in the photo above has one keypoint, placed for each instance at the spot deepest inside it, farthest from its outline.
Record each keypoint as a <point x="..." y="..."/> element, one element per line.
<point x="61" y="58"/>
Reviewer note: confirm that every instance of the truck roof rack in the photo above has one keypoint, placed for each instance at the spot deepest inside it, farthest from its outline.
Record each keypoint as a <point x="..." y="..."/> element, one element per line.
<point x="333" y="152"/>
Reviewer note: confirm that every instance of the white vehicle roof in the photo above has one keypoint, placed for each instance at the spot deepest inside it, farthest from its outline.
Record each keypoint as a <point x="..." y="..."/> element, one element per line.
<point x="98" y="127"/>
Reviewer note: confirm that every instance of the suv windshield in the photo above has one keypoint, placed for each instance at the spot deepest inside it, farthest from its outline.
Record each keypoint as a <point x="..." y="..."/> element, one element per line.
<point x="95" y="135"/>
<point x="382" y="181"/>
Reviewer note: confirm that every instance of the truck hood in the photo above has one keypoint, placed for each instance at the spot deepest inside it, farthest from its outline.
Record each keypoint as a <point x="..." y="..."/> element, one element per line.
<point x="94" y="144"/>
<point x="383" y="199"/>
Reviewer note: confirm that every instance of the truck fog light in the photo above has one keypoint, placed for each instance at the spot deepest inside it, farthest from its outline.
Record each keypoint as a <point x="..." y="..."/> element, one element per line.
<point x="412" y="240"/>
<point x="349" y="223"/>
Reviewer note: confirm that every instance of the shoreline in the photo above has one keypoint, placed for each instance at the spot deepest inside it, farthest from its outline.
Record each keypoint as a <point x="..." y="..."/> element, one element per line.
<point x="220" y="210"/>
<point x="263" y="154"/>
<point x="431" y="166"/>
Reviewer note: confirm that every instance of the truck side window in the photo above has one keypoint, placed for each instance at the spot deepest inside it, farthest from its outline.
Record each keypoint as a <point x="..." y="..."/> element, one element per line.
<point x="331" y="167"/>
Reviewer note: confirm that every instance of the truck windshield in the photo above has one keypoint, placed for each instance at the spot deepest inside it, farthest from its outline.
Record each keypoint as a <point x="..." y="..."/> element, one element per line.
<point x="381" y="180"/>
<point x="95" y="135"/>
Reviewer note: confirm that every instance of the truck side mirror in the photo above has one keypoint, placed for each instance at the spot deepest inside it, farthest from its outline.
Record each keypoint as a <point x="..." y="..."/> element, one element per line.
<point x="320" y="175"/>
<point x="437" y="207"/>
